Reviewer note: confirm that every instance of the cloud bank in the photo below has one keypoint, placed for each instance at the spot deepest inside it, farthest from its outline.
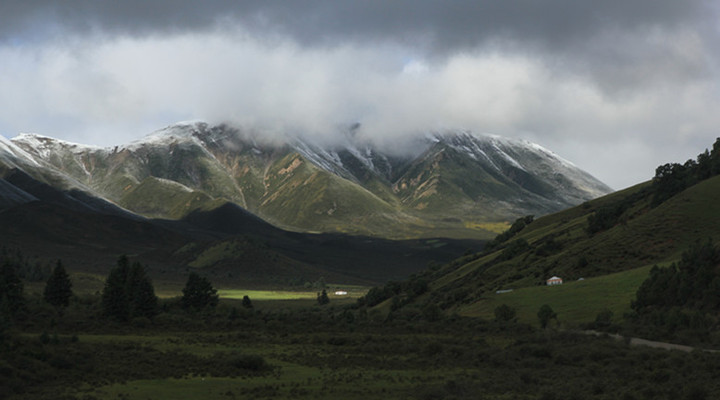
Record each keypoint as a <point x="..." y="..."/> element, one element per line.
<point x="617" y="87"/>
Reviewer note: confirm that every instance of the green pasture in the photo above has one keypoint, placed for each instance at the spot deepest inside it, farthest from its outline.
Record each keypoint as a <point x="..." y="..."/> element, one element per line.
<point x="265" y="294"/>
<point x="575" y="302"/>
<point x="353" y="292"/>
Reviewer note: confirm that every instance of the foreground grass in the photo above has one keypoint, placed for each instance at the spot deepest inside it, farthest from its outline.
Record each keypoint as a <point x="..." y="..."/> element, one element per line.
<point x="293" y="381"/>
<point x="332" y="351"/>
<point x="575" y="303"/>
<point x="447" y="360"/>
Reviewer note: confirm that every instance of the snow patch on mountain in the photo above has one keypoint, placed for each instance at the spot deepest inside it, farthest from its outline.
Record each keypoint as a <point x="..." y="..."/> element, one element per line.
<point x="44" y="146"/>
<point x="164" y="137"/>
<point x="174" y="184"/>
<point x="13" y="155"/>
<point x="327" y="160"/>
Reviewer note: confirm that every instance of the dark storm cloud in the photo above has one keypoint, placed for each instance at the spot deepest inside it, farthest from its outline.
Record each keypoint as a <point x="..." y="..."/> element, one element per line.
<point x="616" y="43"/>
<point x="440" y="25"/>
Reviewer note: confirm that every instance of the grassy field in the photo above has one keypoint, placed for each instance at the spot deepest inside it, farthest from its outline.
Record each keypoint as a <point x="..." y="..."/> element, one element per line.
<point x="293" y="348"/>
<point x="574" y="302"/>
<point x="353" y="292"/>
<point x="265" y="294"/>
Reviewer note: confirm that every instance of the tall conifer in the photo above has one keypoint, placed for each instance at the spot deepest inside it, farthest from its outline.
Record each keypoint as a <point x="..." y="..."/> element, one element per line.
<point x="128" y="292"/>
<point x="198" y="293"/>
<point x="58" y="288"/>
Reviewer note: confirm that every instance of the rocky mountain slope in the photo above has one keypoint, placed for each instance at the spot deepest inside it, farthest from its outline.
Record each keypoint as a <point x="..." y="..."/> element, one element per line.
<point x="455" y="184"/>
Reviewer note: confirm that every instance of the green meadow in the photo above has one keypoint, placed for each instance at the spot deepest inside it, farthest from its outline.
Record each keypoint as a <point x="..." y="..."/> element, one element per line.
<point x="575" y="302"/>
<point x="353" y="292"/>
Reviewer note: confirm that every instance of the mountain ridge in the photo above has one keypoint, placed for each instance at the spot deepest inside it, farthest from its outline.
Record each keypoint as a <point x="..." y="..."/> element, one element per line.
<point x="457" y="180"/>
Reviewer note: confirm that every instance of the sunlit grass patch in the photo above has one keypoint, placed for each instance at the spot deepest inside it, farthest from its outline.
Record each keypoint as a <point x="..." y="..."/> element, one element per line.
<point x="574" y="302"/>
<point x="261" y="295"/>
<point x="496" y="227"/>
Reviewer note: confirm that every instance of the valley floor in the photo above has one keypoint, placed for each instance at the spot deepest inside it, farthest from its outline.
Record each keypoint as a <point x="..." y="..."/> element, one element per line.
<point x="329" y="352"/>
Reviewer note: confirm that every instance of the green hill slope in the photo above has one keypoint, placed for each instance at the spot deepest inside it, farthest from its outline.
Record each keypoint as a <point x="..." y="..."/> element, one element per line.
<point x="156" y="197"/>
<point x="575" y="302"/>
<point x="561" y="245"/>
<point x="650" y="223"/>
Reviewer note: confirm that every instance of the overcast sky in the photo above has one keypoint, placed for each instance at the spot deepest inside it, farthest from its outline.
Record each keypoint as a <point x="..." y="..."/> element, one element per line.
<point x="615" y="86"/>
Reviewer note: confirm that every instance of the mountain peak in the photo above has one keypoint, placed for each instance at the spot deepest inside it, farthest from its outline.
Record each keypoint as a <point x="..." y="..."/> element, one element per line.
<point x="349" y="184"/>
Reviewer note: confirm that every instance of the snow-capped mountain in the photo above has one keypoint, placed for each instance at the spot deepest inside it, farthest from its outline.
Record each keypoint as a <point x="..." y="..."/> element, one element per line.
<point x="454" y="181"/>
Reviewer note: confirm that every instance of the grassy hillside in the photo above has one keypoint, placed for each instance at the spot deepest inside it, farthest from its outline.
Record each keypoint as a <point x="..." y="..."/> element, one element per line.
<point x="614" y="239"/>
<point x="575" y="302"/>
<point x="156" y="197"/>
<point x="560" y="244"/>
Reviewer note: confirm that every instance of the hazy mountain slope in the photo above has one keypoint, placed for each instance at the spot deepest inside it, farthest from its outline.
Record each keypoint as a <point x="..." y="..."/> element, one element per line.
<point x="492" y="176"/>
<point x="459" y="182"/>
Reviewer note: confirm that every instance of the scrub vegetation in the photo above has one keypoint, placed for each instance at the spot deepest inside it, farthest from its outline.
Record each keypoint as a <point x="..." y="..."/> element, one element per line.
<point x="327" y="351"/>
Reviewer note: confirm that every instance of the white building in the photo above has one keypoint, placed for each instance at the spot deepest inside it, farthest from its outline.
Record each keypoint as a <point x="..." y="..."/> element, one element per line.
<point x="554" y="281"/>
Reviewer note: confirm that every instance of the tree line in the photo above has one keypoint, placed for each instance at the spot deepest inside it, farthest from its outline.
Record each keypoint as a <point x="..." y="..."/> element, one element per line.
<point x="669" y="180"/>
<point x="128" y="292"/>
<point x="682" y="300"/>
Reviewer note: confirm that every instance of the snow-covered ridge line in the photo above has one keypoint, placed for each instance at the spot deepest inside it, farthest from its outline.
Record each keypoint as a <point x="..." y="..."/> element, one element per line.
<point x="11" y="153"/>
<point x="42" y="140"/>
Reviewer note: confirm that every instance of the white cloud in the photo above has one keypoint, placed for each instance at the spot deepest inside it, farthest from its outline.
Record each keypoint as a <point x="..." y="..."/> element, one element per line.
<point x="118" y="89"/>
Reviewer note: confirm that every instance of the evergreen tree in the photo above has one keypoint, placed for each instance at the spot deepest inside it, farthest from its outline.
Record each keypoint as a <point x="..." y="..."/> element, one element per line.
<point x="58" y="288"/>
<point x="198" y="293"/>
<point x="115" y="301"/>
<point x="141" y="293"/>
<point x="694" y="282"/>
<point x="246" y="302"/>
<point x="128" y="292"/>
<point x="323" y="298"/>
<point x="11" y="288"/>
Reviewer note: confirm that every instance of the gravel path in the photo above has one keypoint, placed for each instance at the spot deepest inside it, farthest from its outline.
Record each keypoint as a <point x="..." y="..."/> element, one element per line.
<point x="650" y="343"/>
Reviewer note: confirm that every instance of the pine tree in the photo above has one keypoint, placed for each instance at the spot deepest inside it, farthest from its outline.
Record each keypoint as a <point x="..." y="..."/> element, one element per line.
<point x="58" y="288"/>
<point x="115" y="301"/>
<point x="128" y="292"/>
<point x="141" y="293"/>
<point x="198" y="293"/>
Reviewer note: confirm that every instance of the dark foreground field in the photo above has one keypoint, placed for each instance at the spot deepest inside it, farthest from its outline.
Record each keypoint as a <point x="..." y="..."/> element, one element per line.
<point x="329" y="352"/>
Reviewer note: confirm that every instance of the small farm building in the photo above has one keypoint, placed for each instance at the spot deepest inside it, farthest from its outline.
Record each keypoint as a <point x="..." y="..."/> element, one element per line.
<point x="554" y="281"/>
